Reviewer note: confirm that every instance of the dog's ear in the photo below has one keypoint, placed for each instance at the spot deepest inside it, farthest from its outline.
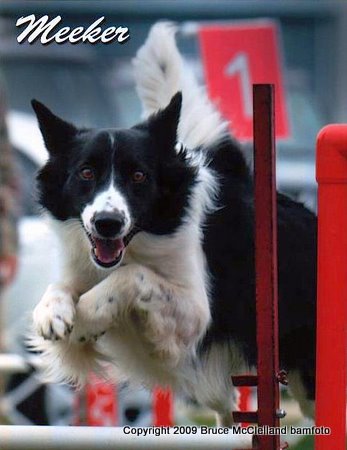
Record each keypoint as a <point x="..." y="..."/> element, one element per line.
<point x="57" y="134"/>
<point x="163" y="125"/>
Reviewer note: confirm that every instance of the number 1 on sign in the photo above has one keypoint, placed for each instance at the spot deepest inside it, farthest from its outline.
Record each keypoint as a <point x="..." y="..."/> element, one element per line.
<point x="239" y="65"/>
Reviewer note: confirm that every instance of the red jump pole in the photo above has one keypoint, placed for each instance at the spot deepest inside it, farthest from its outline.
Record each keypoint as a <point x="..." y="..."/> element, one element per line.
<point x="266" y="262"/>
<point x="331" y="376"/>
<point x="269" y="376"/>
<point x="163" y="415"/>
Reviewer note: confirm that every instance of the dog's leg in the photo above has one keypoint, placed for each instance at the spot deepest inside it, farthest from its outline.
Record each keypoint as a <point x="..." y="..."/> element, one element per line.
<point x="224" y="416"/>
<point x="299" y="392"/>
<point x="224" y="420"/>
<point x="63" y="358"/>
<point x="54" y="315"/>
<point x="171" y="318"/>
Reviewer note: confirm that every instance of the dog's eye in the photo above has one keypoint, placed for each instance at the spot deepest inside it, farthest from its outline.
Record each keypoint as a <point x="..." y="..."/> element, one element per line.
<point x="86" y="173"/>
<point x="138" y="177"/>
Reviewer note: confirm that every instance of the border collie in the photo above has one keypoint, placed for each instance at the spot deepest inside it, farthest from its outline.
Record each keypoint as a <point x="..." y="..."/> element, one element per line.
<point x="157" y="234"/>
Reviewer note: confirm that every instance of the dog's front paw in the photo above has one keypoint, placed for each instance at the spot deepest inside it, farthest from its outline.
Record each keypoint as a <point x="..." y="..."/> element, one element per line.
<point x="54" y="316"/>
<point x="95" y="314"/>
<point x="105" y="304"/>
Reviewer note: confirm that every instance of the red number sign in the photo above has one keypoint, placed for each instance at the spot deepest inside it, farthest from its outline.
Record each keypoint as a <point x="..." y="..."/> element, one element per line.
<point x="101" y="403"/>
<point x="235" y="57"/>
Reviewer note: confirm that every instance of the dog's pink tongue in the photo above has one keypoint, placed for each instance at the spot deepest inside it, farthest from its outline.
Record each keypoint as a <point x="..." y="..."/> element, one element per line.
<point x="107" y="250"/>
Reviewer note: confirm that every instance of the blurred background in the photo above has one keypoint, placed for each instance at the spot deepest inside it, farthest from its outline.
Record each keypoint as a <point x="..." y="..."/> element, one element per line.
<point x="93" y="85"/>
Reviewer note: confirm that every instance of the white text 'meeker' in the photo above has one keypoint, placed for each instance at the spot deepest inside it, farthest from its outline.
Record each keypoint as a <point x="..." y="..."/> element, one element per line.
<point x="46" y="30"/>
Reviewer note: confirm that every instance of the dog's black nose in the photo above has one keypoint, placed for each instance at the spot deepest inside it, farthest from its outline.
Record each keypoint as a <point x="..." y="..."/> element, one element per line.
<point x="109" y="225"/>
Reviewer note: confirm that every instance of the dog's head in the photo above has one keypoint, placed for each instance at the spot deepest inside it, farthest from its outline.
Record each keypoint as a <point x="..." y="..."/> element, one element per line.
<point x="113" y="180"/>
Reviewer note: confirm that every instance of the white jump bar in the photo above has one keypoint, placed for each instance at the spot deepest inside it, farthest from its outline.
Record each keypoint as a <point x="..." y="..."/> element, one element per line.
<point x="14" y="437"/>
<point x="13" y="363"/>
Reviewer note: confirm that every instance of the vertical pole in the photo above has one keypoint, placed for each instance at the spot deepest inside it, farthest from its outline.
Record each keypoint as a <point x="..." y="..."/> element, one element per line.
<point x="162" y="408"/>
<point x="331" y="367"/>
<point x="266" y="262"/>
<point x="101" y="403"/>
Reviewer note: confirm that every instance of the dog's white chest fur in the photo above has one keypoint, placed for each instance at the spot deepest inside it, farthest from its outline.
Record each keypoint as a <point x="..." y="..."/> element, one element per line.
<point x="146" y="316"/>
<point x="156" y="336"/>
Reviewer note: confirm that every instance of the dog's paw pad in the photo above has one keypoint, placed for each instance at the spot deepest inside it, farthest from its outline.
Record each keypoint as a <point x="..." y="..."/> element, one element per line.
<point x="89" y="337"/>
<point x="54" y="315"/>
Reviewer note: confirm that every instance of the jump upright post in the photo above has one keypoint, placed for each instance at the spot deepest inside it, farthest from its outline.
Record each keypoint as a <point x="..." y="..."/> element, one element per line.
<point x="331" y="367"/>
<point x="266" y="262"/>
<point x="267" y="380"/>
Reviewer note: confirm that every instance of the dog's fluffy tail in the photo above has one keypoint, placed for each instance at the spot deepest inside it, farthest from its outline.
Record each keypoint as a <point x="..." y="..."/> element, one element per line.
<point x="159" y="74"/>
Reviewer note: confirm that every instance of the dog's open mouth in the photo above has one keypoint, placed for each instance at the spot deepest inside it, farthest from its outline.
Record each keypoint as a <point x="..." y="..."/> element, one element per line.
<point x="107" y="252"/>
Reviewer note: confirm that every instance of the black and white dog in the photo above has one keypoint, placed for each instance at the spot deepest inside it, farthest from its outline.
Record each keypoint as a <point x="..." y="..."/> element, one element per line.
<point x="157" y="237"/>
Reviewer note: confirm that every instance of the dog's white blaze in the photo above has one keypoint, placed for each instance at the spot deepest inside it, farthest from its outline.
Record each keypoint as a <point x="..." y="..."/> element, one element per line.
<point x="111" y="139"/>
<point x="110" y="200"/>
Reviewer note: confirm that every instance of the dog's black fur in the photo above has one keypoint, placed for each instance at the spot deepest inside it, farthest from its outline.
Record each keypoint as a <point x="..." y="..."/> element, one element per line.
<point x="157" y="205"/>
<point x="229" y="247"/>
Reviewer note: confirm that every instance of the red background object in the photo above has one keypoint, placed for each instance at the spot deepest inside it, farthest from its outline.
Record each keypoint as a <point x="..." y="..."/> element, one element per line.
<point x="245" y="401"/>
<point x="331" y="369"/>
<point x="235" y="57"/>
<point x="101" y="403"/>
<point x="162" y="408"/>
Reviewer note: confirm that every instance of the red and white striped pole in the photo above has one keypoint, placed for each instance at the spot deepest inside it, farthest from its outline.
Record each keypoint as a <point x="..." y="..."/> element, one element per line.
<point x="96" y="405"/>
